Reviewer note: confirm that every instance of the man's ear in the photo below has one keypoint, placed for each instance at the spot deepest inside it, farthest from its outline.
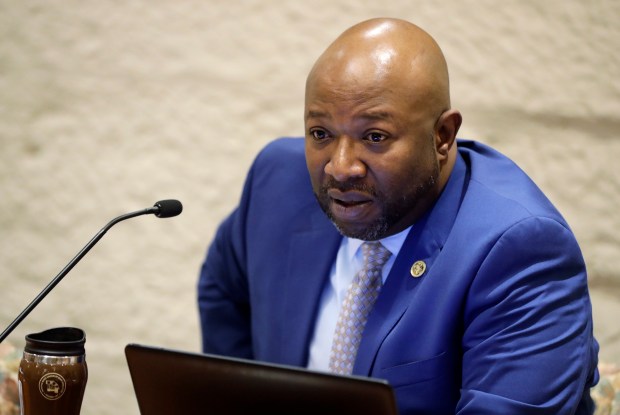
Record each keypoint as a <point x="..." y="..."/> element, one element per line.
<point x="446" y="130"/>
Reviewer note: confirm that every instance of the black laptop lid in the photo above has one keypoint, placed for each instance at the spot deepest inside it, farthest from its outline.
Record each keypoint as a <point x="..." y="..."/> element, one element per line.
<point x="176" y="382"/>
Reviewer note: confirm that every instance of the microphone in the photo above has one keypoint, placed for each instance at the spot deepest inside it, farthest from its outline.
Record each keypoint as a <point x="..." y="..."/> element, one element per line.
<point x="162" y="209"/>
<point x="167" y="208"/>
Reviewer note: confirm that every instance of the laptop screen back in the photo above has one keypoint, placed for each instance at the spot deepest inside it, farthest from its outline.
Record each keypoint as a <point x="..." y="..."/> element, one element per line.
<point x="175" y="382"/>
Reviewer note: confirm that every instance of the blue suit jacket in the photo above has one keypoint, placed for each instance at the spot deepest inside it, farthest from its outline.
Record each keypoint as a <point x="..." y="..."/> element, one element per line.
<point x="499" y="323"/>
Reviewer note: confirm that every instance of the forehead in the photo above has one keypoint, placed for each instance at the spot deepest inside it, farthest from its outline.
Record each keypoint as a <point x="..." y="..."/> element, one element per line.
<point x="329" y="97"/>
<point x="330" y="110"/>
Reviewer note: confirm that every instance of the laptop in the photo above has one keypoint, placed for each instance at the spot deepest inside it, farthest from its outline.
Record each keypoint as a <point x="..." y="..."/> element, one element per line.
<point x="168" y="382"/>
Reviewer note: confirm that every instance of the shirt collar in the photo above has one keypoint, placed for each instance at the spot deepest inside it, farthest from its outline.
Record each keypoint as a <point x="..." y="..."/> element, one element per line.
<point x="393" y="243"/>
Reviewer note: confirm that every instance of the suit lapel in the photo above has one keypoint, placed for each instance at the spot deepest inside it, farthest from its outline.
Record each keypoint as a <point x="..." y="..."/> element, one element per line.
<point x="424" y="243"/>
<point x="308" y="269"/>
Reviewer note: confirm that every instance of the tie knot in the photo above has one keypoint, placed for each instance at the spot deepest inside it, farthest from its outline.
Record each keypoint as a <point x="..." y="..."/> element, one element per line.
<point x="375" y="254"/>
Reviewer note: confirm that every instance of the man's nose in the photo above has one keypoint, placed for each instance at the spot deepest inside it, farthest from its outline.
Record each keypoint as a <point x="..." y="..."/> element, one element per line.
<point x="345" y="163"/>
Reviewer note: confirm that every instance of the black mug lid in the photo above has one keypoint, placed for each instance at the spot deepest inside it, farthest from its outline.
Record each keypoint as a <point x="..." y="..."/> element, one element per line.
<point x="59" y="341"/>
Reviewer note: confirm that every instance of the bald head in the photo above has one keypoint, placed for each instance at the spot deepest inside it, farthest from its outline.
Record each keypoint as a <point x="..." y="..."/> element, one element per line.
<point x="380" y="133"/>
<point x="384" y="54"/>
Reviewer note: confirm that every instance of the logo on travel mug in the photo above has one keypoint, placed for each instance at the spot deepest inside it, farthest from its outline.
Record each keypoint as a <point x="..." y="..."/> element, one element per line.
<point x="52" y="386"/>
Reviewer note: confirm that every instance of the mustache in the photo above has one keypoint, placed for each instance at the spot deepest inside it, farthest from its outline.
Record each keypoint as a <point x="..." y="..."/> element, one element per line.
<point x="347" y="186"/>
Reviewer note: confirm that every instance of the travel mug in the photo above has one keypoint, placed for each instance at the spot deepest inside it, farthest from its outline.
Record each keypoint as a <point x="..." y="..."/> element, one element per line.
<point x="53" y="373"/>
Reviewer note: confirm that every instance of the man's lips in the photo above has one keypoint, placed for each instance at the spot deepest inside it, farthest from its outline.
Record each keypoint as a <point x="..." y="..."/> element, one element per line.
<point x="351" y="206"/>
<point x="349" y="197"/>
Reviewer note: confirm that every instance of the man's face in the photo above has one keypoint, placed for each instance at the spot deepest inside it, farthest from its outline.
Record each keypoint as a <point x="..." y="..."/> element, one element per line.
<point x="371" y="157"/>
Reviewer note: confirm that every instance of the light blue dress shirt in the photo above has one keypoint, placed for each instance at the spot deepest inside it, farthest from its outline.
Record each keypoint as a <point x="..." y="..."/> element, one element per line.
<point x="348" y="262"/>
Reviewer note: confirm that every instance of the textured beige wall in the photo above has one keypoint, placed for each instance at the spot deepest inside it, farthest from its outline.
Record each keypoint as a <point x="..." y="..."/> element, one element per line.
<point x="109" y="106"/>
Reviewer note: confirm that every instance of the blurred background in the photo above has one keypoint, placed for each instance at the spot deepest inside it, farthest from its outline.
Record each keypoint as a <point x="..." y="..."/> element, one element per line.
<point x="109" y="106"/>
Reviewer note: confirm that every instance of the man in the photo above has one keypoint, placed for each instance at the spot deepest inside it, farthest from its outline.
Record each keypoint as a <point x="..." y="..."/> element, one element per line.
<point x="482" y="305"/>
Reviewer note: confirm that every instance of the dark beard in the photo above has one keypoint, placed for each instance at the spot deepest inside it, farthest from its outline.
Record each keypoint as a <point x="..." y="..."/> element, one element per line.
<point x="392" y="210"/>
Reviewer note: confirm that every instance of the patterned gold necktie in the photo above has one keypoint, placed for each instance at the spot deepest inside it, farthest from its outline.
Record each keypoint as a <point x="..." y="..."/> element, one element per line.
<point x="360" y="298"/>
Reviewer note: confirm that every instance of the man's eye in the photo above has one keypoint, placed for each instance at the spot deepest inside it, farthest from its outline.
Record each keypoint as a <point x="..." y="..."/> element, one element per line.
<point x="319" y="134"/>
<point x="375" y="137"/>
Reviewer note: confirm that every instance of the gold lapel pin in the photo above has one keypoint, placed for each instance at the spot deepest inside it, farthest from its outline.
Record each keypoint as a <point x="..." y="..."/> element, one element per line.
<point x="418" y="268"/>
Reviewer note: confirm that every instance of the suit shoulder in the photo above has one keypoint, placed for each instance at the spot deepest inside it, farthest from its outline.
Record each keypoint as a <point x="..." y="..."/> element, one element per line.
<point x="281" y="162"/>
<point x="503" y="185"/>
<point x="281" y="158"/>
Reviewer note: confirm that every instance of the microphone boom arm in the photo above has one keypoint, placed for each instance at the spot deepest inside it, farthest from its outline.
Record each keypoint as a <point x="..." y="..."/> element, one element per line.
<point x="157" y="210"/>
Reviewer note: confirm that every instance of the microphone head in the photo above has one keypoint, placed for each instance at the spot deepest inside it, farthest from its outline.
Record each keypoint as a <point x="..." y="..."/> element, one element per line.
<point x="168" y="208"/>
